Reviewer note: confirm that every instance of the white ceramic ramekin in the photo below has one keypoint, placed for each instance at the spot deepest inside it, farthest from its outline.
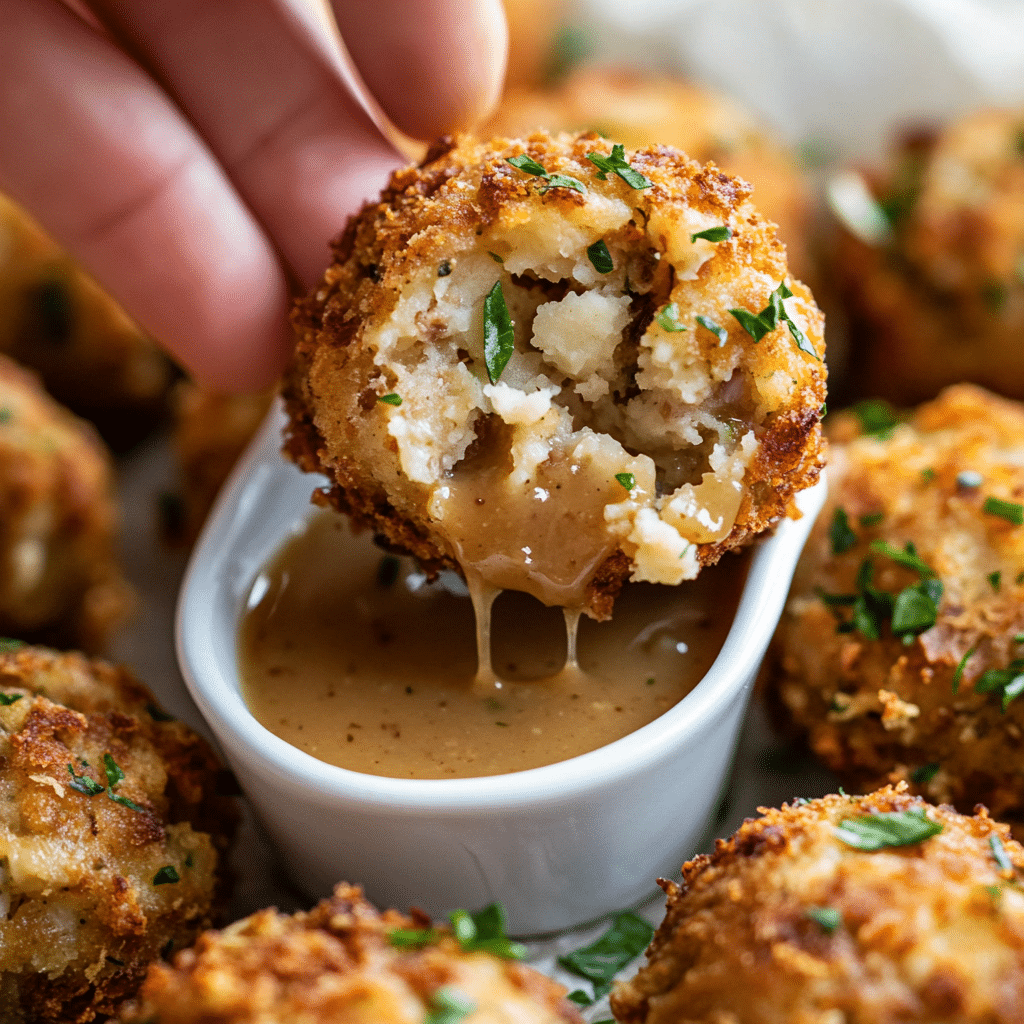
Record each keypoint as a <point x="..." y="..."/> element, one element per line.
<point x="558" y="845"/>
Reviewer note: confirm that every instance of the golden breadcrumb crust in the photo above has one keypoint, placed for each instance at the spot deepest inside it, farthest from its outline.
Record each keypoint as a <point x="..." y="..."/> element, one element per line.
<point x="335" y="965"/>
<point x="879" y="710"/>
<point x="641" y="111"/>
<point x="88" y="860"/>
<point x="60" y="581"/>
<point x="55" y="319"/>
<point x="941" y="299"/>
<point x="931" y="932"/>
<point x="399" y="315"/>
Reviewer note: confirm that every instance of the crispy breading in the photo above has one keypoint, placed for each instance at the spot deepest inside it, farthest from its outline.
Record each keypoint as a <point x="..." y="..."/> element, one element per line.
<point x="60" y="581"/>
<point x="113" y="831"/>
<point x="639" y="111"/>
<point x="883" y="709"/>
<point x="335" y="965"/>
<point x="940" y="299"/>
<point x="624" y="437"/>
<point x="785" y="923"/>
<point x="57" y="320"/>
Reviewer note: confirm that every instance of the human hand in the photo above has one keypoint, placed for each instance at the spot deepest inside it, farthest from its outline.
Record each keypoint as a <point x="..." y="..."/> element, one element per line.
<point x="198" y="154"/>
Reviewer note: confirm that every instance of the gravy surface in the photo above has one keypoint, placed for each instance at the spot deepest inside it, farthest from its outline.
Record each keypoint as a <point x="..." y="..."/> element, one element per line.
<point x="349" y="655"/>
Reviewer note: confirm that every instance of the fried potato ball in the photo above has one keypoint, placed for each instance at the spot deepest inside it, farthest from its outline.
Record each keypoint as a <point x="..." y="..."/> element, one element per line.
<point x="55" y="319"/>
<point x="641" y="111"/>
<point x="935" y="288"/>
<point x="538" y="370"/>
<point x="790" y="922"/>
<point x="112" y="834"/>
<point x="337" y="965"/>
<point x="902" y="638"/>
<point x="59" y="577"/>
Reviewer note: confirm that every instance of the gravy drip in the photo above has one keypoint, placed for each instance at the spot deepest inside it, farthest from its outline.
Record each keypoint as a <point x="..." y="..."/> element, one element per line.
<point x="354" y="658"/>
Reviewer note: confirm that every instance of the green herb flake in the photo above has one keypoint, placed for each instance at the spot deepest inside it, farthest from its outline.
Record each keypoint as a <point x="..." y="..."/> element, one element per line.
<point x="722" y="233"/>
<point x="412" y="938"/>
<point x="923" y="774"/>
<point x="580" y="998"/>
<point x="916" y="608"/>
<point x="1019" y="638"/>
<point x="628" y="936"/>
<point x="125" y="802"/>
<point x="827" y="918"/>
<point x="999" y="852"/>
<point x="757" y="325"/>
<point x="527" y="164"/>
<point x="530" y="166"/>
<point x="907" y="557"/>
<point x="390" y="399"/>
<point x="753" y="323"/>
<point x="8" y="645"/>
<point x="892" y="828"/>
<point x="113" y="772"/>
<point x="600" y="257"/>
<point x="1011" y="511"/>
<point x="969" y="479"/>
<point x="627" y="480"/>
<point x="995" y="579"/>
<point x="5" y="415"/>
<point x="871" y="519"/>
<point x="958" y="674"/>
<point x="617" y="164"/>
<point x="563" y="181"/>
<point x="719" y="332"/>
<point x="841" y="537"/>
<point x="499" y="340"/>
<point x="83" y="784"/>
<point x="387" y="572"/>
<point x="449" y="1006"/>
<point x="668" y="318"/>
<point x="879" y="419"/>
<point x="7" y="699"/>
<point x="928" y="475"/>
<point x="485" y="930"/>
<point x="167" y="875"/>
<point x="497" y="259"/>
<point x="158" y="714"/>
<point x="190" y="860"/>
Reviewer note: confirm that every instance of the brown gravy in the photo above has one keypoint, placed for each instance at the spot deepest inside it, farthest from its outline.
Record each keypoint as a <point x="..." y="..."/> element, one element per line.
<point x="351" y="656"/>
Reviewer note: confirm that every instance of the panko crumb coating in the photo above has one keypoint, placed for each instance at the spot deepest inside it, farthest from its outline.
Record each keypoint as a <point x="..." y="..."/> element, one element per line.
<point x="661" y="441"/>
<point x="112" y="834"/>
<point x="60" y="581"/>
<point x="938" y="298"/>
<point x="877" y="710"/>
<point x="57" y="320"/>
<point x="336" y="965"/>
<point x="785" y="923"/>
<point x="639" y="111"/>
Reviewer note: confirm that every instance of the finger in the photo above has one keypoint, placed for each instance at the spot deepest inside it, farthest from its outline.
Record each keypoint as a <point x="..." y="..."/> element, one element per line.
<point x="435" y="66"/>
<point x="93" y="148"/>
<point x="269" y="99"/>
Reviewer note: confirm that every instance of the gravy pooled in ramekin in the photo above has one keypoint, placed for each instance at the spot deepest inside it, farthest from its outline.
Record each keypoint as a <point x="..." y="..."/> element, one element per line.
<point x="351" y="656"/>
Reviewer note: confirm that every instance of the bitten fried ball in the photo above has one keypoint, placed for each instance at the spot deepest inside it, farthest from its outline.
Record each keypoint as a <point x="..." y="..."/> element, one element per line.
<point x="537" y="361"/>
<point x="337" y="965"/>
<point x="57" y="320"/>
<point x="934" y="287"/>
<point x="869" y="910"/>
<point x="641" y="111"/>
<point x="59" y="577"/>
<point x="112" y="835"/>
<point x="901" y="649"/>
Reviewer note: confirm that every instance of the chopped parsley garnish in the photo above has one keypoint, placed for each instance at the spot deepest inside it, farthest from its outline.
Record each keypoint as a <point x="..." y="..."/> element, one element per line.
<point x="7" y="699"/>
<point x="628" y="936"/>
<point x="827" y="918"/>
<point x="499" y="340"/>
<point x="1009" y="682"/>
<point x="969" y="478"/>
<point x="871" y="519"/>
<point x="449" y="1006"/>
<point x="840" y="535"/>
<point x="916" y="608"/>
<point x="1011" y="511"/>
<point x="928" y="475"/>
<point x="157" y="714"/>
<point x="627" y="480"/>
<point x="668" y="318"/>
<point x="757" y="325"/>
<point x="995" y="579"/>
<point x="530" y="166"/>
<point x="485" y="930"/>
<point x="8" y="645"/>
<point x="879" y="419"/>
<point x="892" y="828"/>
<point x="167" y="875"/>
<point x="83" y="784"/>
<point x="125" y="802"/>
<point x="444" y="268"/>
<point x="600" y="257"/>
<point x="617" y="164"/>
<point x="494" y="256"/>
<point x="999" y="852"/>
<point x="958" y="674"/>
<point x="412" y="938"/>
<point x="390" y="399"/>
<point x="720" y="332"/>
<point x="908" y="557"/>
<point x="114" y="774"/>
<point x="387" y="571"/>
<point x="722" y="233"/>
<point x="924" y="773"/>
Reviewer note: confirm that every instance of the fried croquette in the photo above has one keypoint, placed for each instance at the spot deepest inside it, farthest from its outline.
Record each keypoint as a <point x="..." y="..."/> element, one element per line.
<point x="641" y="111"/>
<point x="845" y="910"/>
<point x="112" y="834"/>
<point x="59" y="577"/>
<point x="59" y="322"/>
<point x="558" y="365"/>
<point x="901" y="648"/>
<point x="344" y="961"/>
<point x="934" y="286"/>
